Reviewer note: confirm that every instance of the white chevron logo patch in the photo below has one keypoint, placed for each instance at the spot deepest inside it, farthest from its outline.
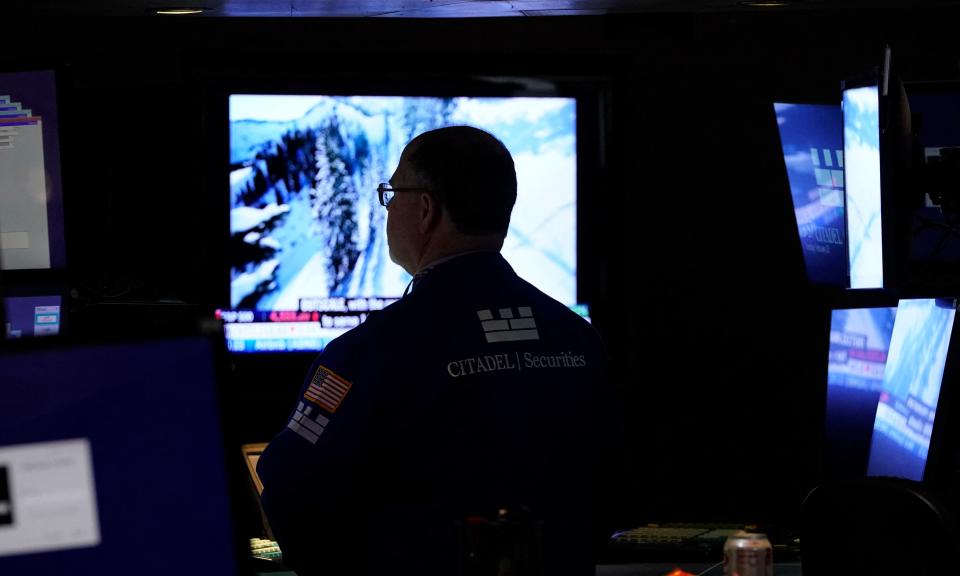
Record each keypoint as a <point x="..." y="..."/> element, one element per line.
<point x="509" y="327"/>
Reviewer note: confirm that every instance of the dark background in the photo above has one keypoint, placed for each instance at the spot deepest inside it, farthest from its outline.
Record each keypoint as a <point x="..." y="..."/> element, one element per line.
<point x="693" y="261"/>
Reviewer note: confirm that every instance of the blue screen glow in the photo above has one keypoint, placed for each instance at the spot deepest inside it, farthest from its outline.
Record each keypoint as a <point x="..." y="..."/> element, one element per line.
<point x="859" y="343"/>
<point x="861" y="149"/>
<point x="911" y="389"/>
<point x="812" y="140"/>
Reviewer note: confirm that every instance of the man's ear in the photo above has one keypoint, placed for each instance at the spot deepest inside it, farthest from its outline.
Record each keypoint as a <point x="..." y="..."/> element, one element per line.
<point x="430" y="211"/>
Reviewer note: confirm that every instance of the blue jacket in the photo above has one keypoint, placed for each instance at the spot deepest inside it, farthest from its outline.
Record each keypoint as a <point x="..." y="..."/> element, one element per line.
<point x="475" y="392"/>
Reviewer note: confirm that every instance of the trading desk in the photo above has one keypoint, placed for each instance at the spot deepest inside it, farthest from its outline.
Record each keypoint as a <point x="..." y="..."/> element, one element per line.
<point x="785" y="569"/>
<point x="662" y="569"/>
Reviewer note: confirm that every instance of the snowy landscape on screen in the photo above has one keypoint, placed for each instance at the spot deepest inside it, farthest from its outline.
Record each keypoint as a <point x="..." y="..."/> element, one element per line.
<point x="305" y="219"/>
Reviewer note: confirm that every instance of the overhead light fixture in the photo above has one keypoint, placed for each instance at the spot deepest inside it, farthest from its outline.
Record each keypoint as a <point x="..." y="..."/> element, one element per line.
<point x="178" y="10"/>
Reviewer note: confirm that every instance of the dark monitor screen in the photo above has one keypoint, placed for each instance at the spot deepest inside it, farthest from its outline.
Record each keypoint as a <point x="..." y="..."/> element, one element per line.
<point x="859" y="343"/>
<point x="111" y="461"/>
<point x="938" y="108"/>
<point x="32" y="316"/>
<point x="31" y="199"/>
<point x="811" y="136"/>
<point x="862" y="174"/>
<point x="911" y="389"/>
<point x="308" y="249"/>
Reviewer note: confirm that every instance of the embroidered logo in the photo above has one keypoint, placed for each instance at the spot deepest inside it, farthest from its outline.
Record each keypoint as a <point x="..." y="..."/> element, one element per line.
<point x="309" y="426"/>
<point x="508" y="328"/>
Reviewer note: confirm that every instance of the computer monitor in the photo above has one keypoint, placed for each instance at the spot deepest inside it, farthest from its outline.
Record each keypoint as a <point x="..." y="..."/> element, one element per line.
<point x="251" y="456"/>
<point x="864" y="202"/>
<point x="31" y="198"/>
<point x="935" y="106"/>
<point x="859" y="343"/>
<point x="32" y="316"/>
<point x="3" y="311"/>
<point x="906" y="412"/>
<point x="811" y="136"/>
<point x="308" y="251"/>
<point x="878" y="161"/>
<point x="111" y="461"/>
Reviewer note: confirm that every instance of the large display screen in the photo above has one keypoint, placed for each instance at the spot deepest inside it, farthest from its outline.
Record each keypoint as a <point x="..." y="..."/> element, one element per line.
<point x="308" y="249"/>
<point x="911" y="389"/>
<point x="31" y="205"/>
<point x="861" y="149"/>
<point x="812" y="140"/>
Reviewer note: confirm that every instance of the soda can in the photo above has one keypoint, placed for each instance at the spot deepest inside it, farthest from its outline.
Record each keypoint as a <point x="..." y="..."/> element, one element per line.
<point x="747" y="554"/>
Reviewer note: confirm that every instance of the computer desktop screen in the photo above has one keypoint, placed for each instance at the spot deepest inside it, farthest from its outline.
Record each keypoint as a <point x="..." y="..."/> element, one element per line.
<point x="30" y="316"/>
<point x="859" y="343"/>
<point x="31" y="205"/>
<point x="811" y="136"/>
<point x="911" y="389"/>
<point x="111" y="461"/>
<point x="308" y="249"/>
<point x="864" y="213"/>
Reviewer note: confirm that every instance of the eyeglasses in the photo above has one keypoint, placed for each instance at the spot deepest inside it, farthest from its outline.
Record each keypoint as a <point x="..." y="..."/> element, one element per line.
<point x="386" y="192"/>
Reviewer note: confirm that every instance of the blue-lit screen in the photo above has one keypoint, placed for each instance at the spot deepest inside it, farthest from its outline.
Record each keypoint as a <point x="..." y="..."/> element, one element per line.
<point x="861" y="149"/>
<point x="859" y="341"/>
<point x="911" y="389"/>
<point x="29" y="316"/>
<point x="309" y="255"/>
<point x="812" y="139"/>
<point x="156" y="491"/>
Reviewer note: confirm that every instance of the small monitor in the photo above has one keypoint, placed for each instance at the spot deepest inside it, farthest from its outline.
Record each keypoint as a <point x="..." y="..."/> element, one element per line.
<point x="308" y="250"/>
<point x="911" y="388"/>
<point x="32" y="316"/>
<point x="251" y="456"/>
<point x="811" y="136"/>
<point x="31" y="199"/>
<point x="864" y="199"/>
<point x="859" y="343"/>
<point x="111" y="459"/>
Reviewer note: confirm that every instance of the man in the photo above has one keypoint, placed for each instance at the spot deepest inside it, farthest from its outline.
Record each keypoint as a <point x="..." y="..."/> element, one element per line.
<point x="474" y="393"/>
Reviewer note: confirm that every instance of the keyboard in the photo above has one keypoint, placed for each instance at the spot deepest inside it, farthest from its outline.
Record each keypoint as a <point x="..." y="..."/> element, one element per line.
<point x="265" y="550"/>
<point x="691" y="542"/>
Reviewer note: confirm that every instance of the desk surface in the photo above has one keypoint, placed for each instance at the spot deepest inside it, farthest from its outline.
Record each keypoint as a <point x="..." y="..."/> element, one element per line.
<point x="779" y="569"/>
<point x="788" y="569"/>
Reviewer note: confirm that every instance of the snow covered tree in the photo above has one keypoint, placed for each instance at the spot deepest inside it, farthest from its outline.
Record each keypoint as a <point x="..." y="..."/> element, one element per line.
<point x="335" y="205"/>
<point x="423" y="114"/>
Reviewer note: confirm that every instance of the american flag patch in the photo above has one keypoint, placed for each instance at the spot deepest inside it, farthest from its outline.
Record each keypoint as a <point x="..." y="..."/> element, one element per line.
<point x="327" y="390"/>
